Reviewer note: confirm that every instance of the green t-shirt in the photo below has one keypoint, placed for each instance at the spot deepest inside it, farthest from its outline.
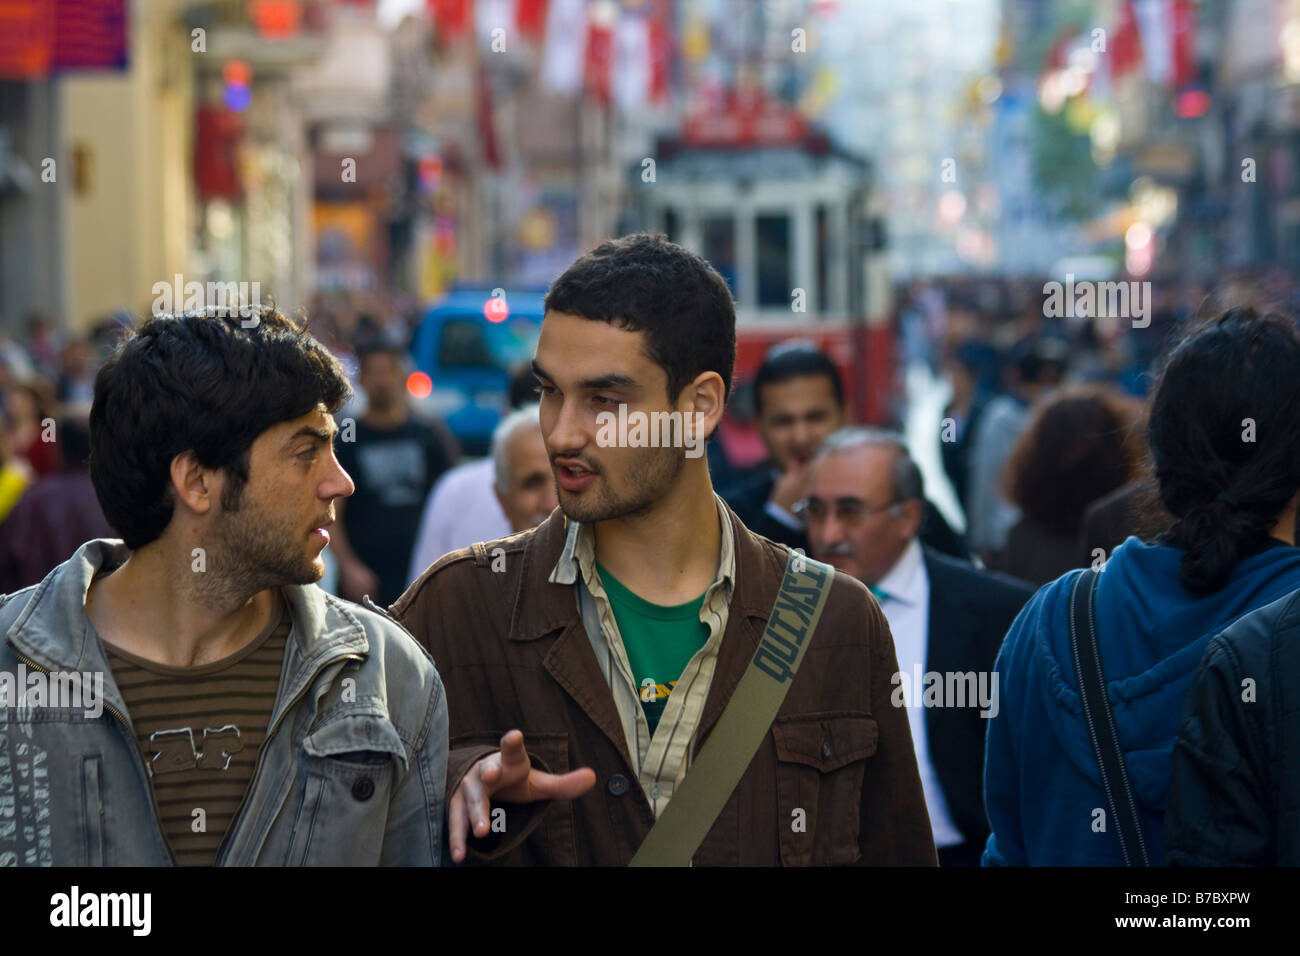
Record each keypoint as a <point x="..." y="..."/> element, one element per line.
<point x="659" y="641"/>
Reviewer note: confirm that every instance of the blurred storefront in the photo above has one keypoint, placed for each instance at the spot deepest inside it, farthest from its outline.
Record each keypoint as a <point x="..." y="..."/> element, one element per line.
<point x="81" y="84"/>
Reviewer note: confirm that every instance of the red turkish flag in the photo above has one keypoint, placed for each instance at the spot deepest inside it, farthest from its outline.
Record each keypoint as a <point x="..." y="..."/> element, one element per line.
<point x="217" y="134"/>
<point x="1184" y="17"/>
<point x="486" y="120"/>
<point x="1125" y="44"/>
<point x="451" y="17"/>
<point x="660" y="51"/>
<point x="530" y="17"/>
<point x="600" y="44"/>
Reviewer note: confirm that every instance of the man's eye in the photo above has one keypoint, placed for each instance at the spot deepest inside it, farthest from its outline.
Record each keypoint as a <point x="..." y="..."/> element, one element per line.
<point x="604" y="400"/>
<point x="307" y="455"/>
<point x="543" y="389"/>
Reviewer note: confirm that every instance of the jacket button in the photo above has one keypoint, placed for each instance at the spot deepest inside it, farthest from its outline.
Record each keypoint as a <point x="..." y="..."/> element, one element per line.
<point x="617" y="785"/>
<point x="826" y="748"/>
<point x="363" y="789"/>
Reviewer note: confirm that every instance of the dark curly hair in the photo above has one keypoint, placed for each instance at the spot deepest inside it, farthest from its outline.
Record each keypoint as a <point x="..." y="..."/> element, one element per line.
<point x="1081" y="443"/>
<point x="1225" y="439"/>
<point x="644" y="283"/>
<point x="202" y="382"/>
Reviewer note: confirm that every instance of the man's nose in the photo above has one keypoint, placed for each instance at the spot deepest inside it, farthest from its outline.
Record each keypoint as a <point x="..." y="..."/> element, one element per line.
<point x="339" y="483"/>
<point x="833" y="531"/>
<point x="567" y="434"/>
<point x="801" y="439"/>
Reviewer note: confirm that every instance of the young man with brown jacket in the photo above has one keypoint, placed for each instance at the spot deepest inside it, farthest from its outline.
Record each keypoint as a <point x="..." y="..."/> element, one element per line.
<point x="678" y="594"/>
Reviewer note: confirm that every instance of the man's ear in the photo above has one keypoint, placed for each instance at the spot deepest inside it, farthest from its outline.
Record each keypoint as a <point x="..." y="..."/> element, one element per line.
<point x="707" y="397"/>
<point x="195" y="486"/>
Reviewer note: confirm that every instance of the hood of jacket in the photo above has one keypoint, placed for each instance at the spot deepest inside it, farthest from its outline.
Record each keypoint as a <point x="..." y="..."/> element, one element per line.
<point x="1152" y="633"/>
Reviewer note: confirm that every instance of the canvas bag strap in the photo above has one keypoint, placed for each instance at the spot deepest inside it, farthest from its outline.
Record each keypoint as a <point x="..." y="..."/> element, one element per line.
<point x="1101" y="721"/>
<point x="746" y="719"/>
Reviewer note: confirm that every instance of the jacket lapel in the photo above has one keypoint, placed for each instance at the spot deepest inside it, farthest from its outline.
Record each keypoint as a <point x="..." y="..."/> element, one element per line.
<point x="572" y="663"/>
<point x="542" y="608"/>
<point x="945" y="623"/>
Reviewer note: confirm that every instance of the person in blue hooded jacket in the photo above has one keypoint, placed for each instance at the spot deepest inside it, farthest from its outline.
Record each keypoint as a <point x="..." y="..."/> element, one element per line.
<point x="1225" y="446"/>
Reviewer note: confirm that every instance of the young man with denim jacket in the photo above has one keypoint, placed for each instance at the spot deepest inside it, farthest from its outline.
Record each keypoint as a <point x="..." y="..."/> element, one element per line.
<point x="188" y="694"/>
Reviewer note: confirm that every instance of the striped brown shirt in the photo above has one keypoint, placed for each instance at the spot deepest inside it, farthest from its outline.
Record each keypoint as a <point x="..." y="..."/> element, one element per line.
<point x="200" y="729"/>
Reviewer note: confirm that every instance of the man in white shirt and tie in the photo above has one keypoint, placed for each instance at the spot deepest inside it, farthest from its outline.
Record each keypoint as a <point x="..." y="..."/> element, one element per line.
<point x="863" y="510"/>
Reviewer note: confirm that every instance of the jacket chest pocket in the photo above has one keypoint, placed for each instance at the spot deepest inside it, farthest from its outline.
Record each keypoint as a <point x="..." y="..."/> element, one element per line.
<point x="820" y="768"/>
<point x="351" y="765"/>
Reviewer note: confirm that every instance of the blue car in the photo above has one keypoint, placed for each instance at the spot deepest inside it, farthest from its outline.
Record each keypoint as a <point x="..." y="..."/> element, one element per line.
<point x="467" y="343"/>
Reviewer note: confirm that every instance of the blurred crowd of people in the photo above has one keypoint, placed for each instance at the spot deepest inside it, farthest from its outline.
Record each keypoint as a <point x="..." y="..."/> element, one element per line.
<point x="1041" y="441"/>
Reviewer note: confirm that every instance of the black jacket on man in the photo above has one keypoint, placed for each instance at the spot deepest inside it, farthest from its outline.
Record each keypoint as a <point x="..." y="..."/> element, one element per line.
<point x="748" y="499"/>
<point x="1234" y="798"/>
<point x="970" y="612"/>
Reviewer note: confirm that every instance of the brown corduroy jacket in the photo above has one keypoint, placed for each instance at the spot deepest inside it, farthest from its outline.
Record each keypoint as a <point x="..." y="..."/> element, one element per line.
<point x="833" y="782"/>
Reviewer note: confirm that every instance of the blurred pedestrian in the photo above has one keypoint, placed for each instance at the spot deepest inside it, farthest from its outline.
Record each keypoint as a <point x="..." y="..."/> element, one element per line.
<point x="76" y="383"/>
<point x="799" y="400"/>
<point x="55" y="516"/>
<point x="29" y="406"/>
<point x="1233" y="490"/>
<point x="512" y="490"/>
<point x="969" y="370"/>
<point x="1036" y="366"/>
<point x="864" y="507"/>
<point x="394" y="458"/>
<point x="1081" y="444"/>
<point x="43" y="344"/>
<point x="15" y="474"/>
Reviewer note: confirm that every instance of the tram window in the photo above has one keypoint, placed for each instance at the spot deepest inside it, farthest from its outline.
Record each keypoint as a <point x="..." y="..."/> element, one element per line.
<point x="824" y="253"/>
<point x="774" y="284"/>
<point x="719" y="236"/>
<point x="671" y="229"/>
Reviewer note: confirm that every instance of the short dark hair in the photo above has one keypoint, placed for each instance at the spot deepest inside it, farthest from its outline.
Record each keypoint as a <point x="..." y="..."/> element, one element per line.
<point x="201" y="382"/>
<point x="377" y="343"/>
<point x="644" y="283"/>
<point x="1040" y="358"/>
<point x="785" y="362"/>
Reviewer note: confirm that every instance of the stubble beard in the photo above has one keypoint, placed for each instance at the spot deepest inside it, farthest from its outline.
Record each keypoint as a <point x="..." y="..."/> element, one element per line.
<point x="252" y="549"/>
<point x="649" y="478"/>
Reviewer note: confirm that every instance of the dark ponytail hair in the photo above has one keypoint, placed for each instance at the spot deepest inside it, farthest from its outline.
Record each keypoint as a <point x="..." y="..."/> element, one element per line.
<point x="1226" y="480"/>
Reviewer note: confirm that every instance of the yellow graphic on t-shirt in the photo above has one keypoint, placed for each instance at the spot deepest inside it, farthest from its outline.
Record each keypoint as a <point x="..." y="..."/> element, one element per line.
<point x="651" y="691"/>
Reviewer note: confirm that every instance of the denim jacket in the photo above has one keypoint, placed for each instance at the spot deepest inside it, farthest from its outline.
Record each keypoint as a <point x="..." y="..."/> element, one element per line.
<point x="352" y="771"/>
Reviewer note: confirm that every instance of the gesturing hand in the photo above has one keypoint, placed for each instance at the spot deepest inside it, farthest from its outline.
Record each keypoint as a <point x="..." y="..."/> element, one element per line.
<point x="509" y="776"/>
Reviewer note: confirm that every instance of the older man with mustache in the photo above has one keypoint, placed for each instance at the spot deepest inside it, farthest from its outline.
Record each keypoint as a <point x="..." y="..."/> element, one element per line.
<point x="863" y="510"/>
